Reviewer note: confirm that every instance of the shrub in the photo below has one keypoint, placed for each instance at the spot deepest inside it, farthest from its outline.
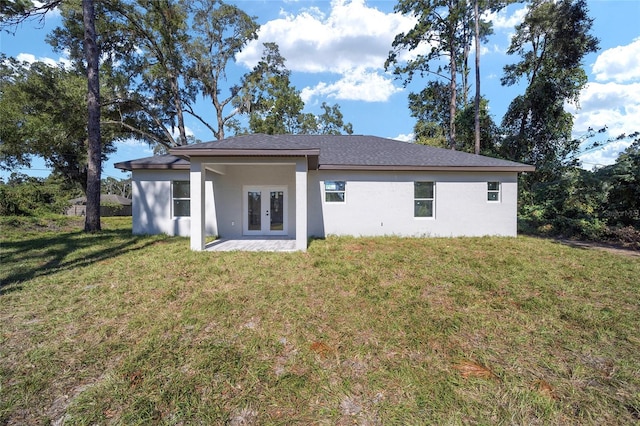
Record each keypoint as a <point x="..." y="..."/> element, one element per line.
<point x="627" y="236"/>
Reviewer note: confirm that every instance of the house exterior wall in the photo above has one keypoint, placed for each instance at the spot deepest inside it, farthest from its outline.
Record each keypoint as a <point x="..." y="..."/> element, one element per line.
<point x="382" y="203"/>
<point x="152" y="203"/>
<point x="377" y="203"/>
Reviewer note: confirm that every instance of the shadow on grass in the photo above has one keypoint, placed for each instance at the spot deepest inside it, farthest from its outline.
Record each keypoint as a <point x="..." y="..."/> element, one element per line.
<point x="590" y="245"/>
<point x="45" y="255"/>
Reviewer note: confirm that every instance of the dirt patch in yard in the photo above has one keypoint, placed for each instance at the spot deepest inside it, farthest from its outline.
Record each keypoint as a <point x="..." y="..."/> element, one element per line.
<point x="589" y="245"/>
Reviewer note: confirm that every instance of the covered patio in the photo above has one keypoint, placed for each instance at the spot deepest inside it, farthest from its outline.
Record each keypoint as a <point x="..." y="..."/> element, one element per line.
<point x="259" y="193"/>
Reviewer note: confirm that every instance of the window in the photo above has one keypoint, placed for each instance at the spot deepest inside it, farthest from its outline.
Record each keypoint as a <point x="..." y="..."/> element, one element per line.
<point x="334" y="191"/>
<point x="423" y="199"/>
<point x="181" y="198"/>
<point x="493" y="191"/>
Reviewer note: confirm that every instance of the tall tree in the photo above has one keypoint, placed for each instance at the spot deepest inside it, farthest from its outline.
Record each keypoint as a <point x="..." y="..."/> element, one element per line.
<point x="445" y="28"/>
<point x="331" y="121"/>
<point x="163" y="54"/>
<point x="275" y="106"/>
<point x="140" y="59"/>
<point x="26" y="9"/>
<point x="552" y="42"/>
<point x="94" y="140"/>
<point x="430" y="109"/>
<point x="44" y="113"/>
<point x="476" y="104"/>
<point x="437" y="27"/>
<point x="159" y="29"/>
<point x="487" y="130"/>
<point x="221" y="32"/>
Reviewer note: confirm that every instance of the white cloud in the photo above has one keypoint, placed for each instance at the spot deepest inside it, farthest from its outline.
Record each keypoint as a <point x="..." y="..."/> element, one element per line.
<point x="30" y="59"/>
<point x="136" y="145"/>
<point x="357" y="84"/>
<point x="614" y="105"/>
<point x="605" y="156"/>
<point x="350" y="35"/>
<point x="505" y="19"/>
<point x="351" y="40"/>
<point x="405" y="138"/>
<point x="612" y="101"/>
<point x="620" y="64"/>
<point x="52" y="13"/>
<point x="504" y="23"/>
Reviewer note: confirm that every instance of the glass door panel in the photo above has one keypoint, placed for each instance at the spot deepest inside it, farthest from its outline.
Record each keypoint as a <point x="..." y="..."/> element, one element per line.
<point x="254" y="211"/>
<point x="266" y="216"/>
<point x="276" y="212"/>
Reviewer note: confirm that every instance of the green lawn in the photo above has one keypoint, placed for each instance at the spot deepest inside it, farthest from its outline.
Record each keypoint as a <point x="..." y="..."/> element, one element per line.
<point x="119" y="329"/>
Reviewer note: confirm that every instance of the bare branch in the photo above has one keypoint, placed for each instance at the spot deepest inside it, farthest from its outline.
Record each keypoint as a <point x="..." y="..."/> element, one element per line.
<point x="138" y="131"/>
<point x="13" y="14"/>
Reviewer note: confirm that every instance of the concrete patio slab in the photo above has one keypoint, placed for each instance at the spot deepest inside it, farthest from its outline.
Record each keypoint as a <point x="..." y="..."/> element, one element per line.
<point x="252" y="244"/>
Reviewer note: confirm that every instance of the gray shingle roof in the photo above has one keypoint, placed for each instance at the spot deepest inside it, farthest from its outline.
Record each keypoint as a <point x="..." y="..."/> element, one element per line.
<point x="334" y="152"/>
<point x="156" y="162"/>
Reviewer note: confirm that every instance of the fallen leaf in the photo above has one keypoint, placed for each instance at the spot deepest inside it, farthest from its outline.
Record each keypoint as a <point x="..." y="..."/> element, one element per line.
<point x="109" y="413"/>
<point x="469" y="369"/>
<point x="135" y="378"/>
<point x="321" y="348"/>
<point x="546" y="389"/>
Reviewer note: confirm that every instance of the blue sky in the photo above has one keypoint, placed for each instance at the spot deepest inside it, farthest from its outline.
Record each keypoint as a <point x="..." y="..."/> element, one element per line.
<point x="336" y="52"/>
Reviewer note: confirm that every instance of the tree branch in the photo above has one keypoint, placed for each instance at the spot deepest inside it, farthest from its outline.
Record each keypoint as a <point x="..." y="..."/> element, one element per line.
<point x="13" y="14"/>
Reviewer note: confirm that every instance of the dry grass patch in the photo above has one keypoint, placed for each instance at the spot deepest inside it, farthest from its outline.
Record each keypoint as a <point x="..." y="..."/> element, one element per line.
<point x="118" y="329"/>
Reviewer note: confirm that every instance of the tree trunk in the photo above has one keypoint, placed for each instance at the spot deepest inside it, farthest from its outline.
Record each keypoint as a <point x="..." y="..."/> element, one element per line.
<point x="94" y="149"/>
<point x="453" y="100"/>
<point x="477" y="100"/>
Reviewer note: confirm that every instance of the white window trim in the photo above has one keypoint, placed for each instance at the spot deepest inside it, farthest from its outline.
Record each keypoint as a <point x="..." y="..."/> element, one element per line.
<point x="325" y="192"/>
<point x="433" y="205"/>
<point x="174" y="199"/>
<point x="498" y="191"/>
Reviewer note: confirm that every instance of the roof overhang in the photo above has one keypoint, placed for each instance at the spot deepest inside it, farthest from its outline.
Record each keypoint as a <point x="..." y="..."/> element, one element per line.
<point x="129" y="166"/>
<point x="312" y="154"/>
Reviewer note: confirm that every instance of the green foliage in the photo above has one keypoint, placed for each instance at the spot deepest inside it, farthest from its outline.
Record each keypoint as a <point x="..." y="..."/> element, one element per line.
<point x="430" y="108"/>
<point x="622" y="206"/>
<point x="551" y="42"/>
<point x="596" y="205"/>
<point x="331" y="121"/>
<point x="448" y="28"/>
<point x="16" y="7"/>
<point x="43" y="113"/>
<point x="121" y="187"/>
<point x="489" y="131"/>
<point x="221" y="31"/>
<point x="567" y="206"/>
<point x="160" y="56"/>
<point x="24" y="195"/>
<point x="275" y="106"/>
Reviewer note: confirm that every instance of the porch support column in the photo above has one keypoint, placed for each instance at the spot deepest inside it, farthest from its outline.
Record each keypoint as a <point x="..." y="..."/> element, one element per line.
<point x="301" y="204"/>
<point x="197" y="205"/>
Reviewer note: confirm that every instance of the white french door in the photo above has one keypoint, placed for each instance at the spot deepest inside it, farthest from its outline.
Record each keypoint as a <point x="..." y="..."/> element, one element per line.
<point x="264" y="210"/>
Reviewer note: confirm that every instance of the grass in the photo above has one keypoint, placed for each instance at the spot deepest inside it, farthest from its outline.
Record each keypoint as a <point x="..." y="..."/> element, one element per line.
<point x="112" y="328"/>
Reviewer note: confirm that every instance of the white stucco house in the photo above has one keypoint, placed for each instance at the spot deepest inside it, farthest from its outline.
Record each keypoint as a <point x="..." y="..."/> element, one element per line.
<point x="301" y="186"/>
